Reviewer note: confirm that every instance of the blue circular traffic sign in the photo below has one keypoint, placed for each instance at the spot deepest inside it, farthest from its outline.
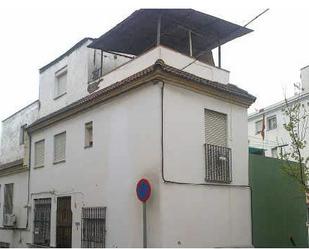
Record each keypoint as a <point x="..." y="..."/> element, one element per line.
<point x="143" y="190"/>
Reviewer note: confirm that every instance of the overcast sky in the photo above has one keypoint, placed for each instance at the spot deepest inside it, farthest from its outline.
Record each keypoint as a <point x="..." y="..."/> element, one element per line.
<point x="264" y="62"/>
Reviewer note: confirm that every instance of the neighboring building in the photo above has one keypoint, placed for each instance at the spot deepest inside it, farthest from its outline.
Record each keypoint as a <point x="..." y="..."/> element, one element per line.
<point x="14" y="176"/>
<point x="278" y="205"/>
<point x="276" y="138"/>
<point x="155" y="108"/>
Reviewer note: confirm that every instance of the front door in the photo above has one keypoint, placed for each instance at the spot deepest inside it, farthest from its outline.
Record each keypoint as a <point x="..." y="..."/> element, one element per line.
<point x="64" y="222"/>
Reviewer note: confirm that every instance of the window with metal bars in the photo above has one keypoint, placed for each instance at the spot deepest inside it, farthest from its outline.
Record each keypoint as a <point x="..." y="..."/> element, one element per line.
<point x="93" y="227"/>
<point x="41" y="222"/>
<point x="218" y="156"/>
<point x="4" y="245"/>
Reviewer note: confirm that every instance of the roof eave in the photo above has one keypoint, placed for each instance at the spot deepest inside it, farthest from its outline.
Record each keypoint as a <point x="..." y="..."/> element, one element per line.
<point x="158" y="71"/>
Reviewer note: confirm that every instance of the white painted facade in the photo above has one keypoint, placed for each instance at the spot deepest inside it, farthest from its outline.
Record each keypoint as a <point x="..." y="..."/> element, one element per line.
<point x="127" y="147"/>
<point x="12" y="150"/>
<point x="114" y="69"/>
<point x="131" y="141"/>
<point x="275" y="138"/>
<point x="79" y="65"/>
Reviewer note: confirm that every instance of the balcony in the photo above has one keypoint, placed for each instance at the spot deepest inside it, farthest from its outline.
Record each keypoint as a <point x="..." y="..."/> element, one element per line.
<point x="170" y="57"/>
<point x="218" y="164"/>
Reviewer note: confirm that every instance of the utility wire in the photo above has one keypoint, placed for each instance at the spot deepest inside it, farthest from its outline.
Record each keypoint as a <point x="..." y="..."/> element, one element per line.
<point x="205" y="51"/>
<point x="256" y="17"/>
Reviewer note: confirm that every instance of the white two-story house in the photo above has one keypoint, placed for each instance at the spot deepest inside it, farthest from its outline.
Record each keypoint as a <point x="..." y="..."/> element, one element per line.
<point x="276" y="138"/>
<point x="144" y="100"/>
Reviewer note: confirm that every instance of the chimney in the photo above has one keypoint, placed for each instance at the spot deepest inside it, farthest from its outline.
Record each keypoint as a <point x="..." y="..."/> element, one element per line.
<point x="304" y="77"/>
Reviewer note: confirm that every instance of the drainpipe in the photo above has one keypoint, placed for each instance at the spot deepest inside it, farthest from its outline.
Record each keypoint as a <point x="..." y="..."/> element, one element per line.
<point x="162" y="154"/>
<point x="219" y="56"/>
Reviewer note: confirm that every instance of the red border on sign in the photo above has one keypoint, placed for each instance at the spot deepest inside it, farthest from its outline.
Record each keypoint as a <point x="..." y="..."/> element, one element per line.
<point x="138" y="185"/>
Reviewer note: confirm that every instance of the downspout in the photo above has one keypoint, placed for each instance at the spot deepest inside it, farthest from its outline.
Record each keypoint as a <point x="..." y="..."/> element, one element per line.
<point x="162" y="154"/>
<point x="29" y="175"/>
<point x="196" y="184"/>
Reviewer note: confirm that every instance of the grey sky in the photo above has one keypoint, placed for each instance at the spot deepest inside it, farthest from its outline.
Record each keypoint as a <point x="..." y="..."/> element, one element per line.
<point x="263" y="62"/>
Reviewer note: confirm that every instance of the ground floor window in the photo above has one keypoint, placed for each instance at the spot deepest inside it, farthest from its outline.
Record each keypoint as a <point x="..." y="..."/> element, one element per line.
<point x="41" y="231"/>
<point x="4" y="245"/>
<point x="93" y="227"/>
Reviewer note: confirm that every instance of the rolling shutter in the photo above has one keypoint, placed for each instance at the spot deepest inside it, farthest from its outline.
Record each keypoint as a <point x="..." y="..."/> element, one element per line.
<point x="39" y="153"/>
<point x="215" y="128"/>
<point x="59" y="147"/>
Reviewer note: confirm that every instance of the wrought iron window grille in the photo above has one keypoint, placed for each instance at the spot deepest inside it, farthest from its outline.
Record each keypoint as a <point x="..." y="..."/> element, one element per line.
<point x="218" y="164"/>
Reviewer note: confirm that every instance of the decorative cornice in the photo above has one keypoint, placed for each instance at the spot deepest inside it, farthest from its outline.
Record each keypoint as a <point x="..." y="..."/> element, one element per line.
<point x="158" y="71"/>
<point x="13" y="167"/>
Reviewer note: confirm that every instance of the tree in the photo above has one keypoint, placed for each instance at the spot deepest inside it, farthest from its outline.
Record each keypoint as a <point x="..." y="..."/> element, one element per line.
<point x="296" y="127"/>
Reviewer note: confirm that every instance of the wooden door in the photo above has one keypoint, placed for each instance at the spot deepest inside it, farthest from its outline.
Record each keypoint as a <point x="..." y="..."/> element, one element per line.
<point x="64" y="222"/>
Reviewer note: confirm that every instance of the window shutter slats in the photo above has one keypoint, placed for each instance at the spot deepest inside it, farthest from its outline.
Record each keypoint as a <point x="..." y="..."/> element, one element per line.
<point x="215" y="128"/>
<point x="39" y="152"/>
<point x="59" y="147"/>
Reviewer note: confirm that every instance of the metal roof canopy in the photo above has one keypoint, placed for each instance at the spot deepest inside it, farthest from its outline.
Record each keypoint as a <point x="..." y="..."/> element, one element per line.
<point x="185" y="30"/>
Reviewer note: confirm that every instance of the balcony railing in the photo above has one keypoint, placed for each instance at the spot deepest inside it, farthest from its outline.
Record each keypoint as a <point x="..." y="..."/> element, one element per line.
<point x="218" y="164"/>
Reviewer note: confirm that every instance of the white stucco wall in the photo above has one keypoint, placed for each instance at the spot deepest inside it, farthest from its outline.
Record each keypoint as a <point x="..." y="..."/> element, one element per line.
<point x="10" y="149"/>
<point x="127" y="146"/>
<point x="171" y="58"/>
<point x="16" y="238"/>
<point x="207" y="216"/>
<point x="80" y="64"/>
<point x="115" y="68"/>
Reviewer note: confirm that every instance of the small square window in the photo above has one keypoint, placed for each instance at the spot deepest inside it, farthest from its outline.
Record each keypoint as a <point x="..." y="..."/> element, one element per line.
<point x="61" y="84"/>
<point x="258" y="126"/>
<point x="22" y="134"/>
<point x="88" y="134"/>
<point x="272" y="123"/>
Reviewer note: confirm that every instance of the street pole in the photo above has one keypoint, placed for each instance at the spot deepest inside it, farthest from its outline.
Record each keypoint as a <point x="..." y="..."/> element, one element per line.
<point x="144" y="226"/>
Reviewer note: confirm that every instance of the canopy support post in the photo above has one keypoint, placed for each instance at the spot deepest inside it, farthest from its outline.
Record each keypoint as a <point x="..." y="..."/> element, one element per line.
<point x="101" y="69"/>
<point x="190" y="43"/>
<point x="219" y="56"/>
<point x="159" y="31"/>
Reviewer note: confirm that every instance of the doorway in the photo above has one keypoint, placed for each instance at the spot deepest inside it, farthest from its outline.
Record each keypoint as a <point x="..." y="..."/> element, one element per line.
<point x="64" y="222"/>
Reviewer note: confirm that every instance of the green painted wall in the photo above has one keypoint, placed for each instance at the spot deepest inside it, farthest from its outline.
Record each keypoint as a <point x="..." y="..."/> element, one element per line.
<point x="278" y="205"/>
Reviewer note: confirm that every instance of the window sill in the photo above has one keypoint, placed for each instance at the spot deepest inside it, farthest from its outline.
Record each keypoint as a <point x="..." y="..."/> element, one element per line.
<point x="58" y="162"/>
<point x="59" y="96"/>
<point x="38" y="167"/>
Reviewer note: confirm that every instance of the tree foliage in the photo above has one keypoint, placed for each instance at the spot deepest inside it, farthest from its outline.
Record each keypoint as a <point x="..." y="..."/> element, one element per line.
<point x="296" y="126"/>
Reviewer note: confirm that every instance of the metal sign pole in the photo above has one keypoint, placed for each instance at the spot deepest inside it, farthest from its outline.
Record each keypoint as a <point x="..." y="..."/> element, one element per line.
<point x="144" y="226"/>
<point x="143" y="192"/>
